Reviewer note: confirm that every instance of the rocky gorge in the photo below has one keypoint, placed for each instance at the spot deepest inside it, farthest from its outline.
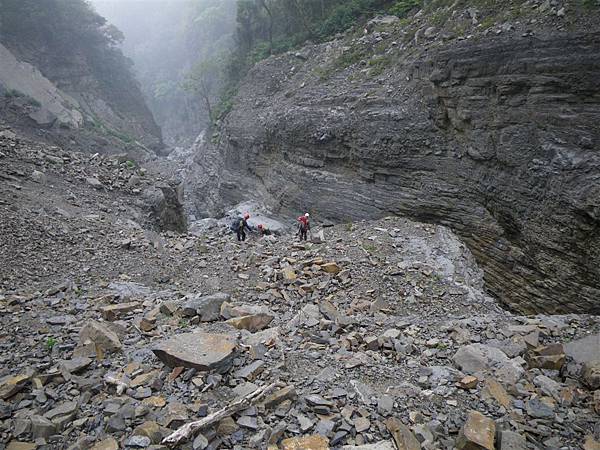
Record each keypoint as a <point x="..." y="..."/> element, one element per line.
<point x="448" y="294"/>
<point x="492" y="133"/>
<point x="374" y="335"/>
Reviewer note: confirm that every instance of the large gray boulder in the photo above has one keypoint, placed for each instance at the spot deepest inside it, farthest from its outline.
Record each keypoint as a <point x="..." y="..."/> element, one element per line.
<point x="98" y="334"/>
<point x="259" y="214"/>
<point x="165" y="202"/>
<point x="479" y="357"/>
<point x="200" y="227"/>
<point x="509" y="440"/>
<point x="201" y="351"/>
<point x="207" y="307"/>
<point x="584" y="350"/>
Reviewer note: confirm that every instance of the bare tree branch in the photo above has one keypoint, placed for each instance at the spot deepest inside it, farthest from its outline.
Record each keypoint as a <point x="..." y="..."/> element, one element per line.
<point x="189" y="430"/>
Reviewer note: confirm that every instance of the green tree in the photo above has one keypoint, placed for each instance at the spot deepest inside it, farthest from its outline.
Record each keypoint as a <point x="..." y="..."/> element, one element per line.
<point x="247" y="13"/>
<point x="267" y="6"/>
<point x="203" y="80"/>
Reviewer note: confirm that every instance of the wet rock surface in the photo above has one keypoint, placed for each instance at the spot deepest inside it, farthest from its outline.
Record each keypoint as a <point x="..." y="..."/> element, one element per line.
<point x="381" y="333"/>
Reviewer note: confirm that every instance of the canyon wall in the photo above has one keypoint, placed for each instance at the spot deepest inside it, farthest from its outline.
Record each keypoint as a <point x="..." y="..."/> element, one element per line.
<point x="495" y="136"/>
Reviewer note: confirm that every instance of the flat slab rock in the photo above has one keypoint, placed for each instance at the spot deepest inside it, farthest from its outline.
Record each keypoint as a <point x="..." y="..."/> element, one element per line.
<point x="478" y="357"/>
<point x="584" y="350"/>
<point x="315" y="442"/>
<point x="383" y="445"/>
<point x="201" y="351"/>
<point x="16" y="445"/>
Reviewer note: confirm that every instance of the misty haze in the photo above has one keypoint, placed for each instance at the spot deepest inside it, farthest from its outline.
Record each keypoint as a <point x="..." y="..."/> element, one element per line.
<point x="299" y="224"/>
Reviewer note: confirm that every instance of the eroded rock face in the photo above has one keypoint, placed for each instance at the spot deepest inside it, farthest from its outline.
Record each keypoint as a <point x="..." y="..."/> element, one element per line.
<point x="67" y="93"/>
<point x="55" y="105"/>
<point x="495" y="137"/>
<point x="165" y="202"/>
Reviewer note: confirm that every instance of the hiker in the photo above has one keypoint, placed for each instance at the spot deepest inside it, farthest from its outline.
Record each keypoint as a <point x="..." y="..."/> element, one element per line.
<point x="264" y="231"/>
<point x="304" y="226"/>
<point x="240" y="226"/>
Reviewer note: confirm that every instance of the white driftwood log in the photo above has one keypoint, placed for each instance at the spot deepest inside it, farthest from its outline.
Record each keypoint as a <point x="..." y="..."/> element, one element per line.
<point x="189" y="430"/>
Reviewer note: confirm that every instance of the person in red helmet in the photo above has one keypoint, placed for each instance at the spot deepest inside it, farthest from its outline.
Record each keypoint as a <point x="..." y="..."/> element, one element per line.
<point x="263" y="230"/>
<point x="241" y="225"/>
<point x="304" y="226"/>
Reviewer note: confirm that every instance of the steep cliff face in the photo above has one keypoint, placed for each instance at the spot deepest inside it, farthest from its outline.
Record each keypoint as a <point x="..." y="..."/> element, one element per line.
<point x="48" y="104"/>
<point x="496" y="137"/>
<point x="62" y="58"/>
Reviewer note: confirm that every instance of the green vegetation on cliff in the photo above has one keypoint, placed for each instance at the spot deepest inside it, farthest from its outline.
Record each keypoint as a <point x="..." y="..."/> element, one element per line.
<point x="78" y="50"/>
<point x="37" y="29"/>
<point x="266" y="27"/>
<point x="273" y="26"/>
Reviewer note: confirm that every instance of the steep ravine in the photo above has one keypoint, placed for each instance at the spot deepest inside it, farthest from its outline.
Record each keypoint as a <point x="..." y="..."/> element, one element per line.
<point x="496" y="137"/>
<point x="63" y="80"/>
